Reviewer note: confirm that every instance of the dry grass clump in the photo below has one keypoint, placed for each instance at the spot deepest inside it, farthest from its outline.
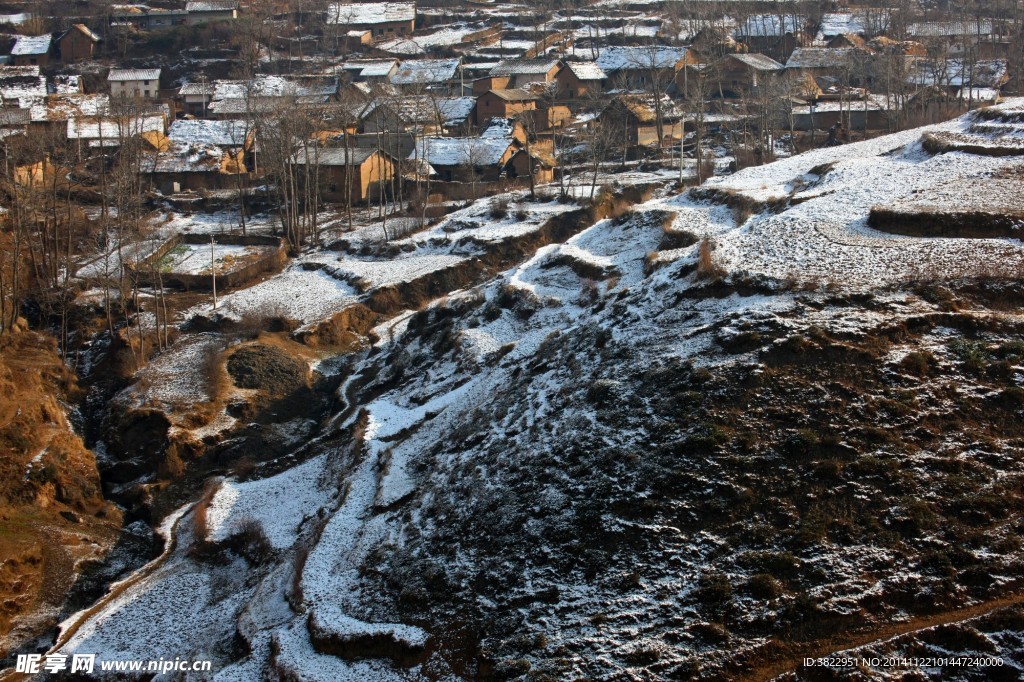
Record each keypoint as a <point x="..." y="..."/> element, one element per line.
<point x="707" y="266"/>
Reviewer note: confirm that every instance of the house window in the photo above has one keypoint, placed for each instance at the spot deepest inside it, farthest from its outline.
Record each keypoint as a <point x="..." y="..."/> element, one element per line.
<point x="147" y="93"/>
<point x="145" y="82"/>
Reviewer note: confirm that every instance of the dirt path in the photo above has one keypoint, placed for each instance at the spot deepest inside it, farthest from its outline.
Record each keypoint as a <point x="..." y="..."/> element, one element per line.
<point x="117" y="589"/>
<point x="791" y="656"/>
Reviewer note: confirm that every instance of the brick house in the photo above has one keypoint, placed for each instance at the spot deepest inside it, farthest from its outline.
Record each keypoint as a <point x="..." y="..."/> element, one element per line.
<point x="77" y="43"/>
<point x="503" y="104"/>
<point x="144" y="83"/>
<point x="32" y="50"/>
<point x="368" y="172"/>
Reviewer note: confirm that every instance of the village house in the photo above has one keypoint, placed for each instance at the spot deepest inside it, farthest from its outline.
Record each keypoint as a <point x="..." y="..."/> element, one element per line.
<point x="50" y="114"/>
<point x="522" y="163"/>
<point x="234" y="135"/>
<point x="870" y="112"/>
<point x="420" y="114"/>
<point x="438" y="75"/>
<point x="195" y="98"/>
<point x="579" y="79"/>
<point x="146" y="18"/>
<point x="772" y="34"/>
<point x="209" y="11"/>
<point x="465" y="159"/>
<point x="638" y="68"/>
<point x="177" y="168"/>
<point x="77" y="43"/>
<point x="504" y="104"/>
<point x="138" y="83"/>
<point x="372" y="71"/>
<point x="32" y="50"/>
<point x="741" y="75"/>
<point x="981" y="77"/>
<point x="712" y="43"/>
<point x="520" y="73"/>
<point x="97" y="133"/>
<point x="384" y="19"/>
<point x="235" y="98"/>
<point x="365" y="171"/>
<point x="357" y="40"/>
<point x="849" y="64"/>
<point x="14" y="122"/>
<point x="636" y="116"/>
<point x="957" y="36"/>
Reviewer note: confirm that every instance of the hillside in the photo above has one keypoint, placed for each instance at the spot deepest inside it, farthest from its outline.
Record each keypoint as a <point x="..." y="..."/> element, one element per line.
<point x="55" y="518"/>
<point x="723" y="427"/>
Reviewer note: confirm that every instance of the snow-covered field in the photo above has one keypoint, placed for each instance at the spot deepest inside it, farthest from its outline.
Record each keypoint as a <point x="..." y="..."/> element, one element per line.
<point x="482" y="422"/>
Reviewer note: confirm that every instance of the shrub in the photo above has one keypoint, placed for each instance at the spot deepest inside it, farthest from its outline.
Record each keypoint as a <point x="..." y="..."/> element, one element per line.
<point x="764" y="586"/>
<point x="714" y="588"/>
<point x="250" y="541"/>
<point x="1011" y="350"/>
<point x="918" y="363"/>
<point x="499" y="208"/>
<point x="803" y="443"/>
<point x="972" y="354"/>
<point x="1012" y="397"/>
<point x="522" y="215"/>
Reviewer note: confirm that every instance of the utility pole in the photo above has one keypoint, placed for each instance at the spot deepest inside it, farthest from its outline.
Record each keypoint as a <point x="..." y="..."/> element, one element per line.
<point x="202" y="95"/>
<point x="213" y="271"/>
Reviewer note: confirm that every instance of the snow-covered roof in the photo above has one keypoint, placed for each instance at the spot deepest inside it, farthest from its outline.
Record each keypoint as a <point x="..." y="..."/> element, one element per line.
<point x="134" y="75"/>
<point x="422" y="71"/>
<point x="276" y="86"/>
<point x="930" y="29"/>
<point x="181" y="158"/>
<point x="768" y="25"/>
<point x="32" y="45"/>
<point x="617" y="58"/>
<point x="196" y="89"/>
<point x="514" y="94"/>
<point x="63" y="107"/>
<point x="211" y="6"/>
<point x="223" y="133"/>
<point x="758" y="62"/>
<point x="499" y="128"/>
<point x="446" y="111"/>
<point x="112" y="129"/>
<point x="840" y="23"/>
<point x="21" y="81"/>
<point x="240" y="106"/>
<point x="523" y="67"/>
<point x="821" y="57"/>
<point x="370" y="68"/>
<point x="455" y="110"/>
<point x="405" y="46"/>
<point x="458" y="151"/>
<point x="587" y="71"/>
<point x="337" y="156"/>
<point x="370" y="13"/>
<point x="988" y="73"/>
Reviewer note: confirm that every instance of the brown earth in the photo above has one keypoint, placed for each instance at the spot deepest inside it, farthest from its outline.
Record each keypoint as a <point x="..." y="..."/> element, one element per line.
<point x="52" y="512"/>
